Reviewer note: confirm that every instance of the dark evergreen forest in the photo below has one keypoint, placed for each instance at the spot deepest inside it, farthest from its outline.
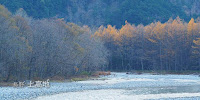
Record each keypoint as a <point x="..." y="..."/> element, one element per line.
<point x="104" y="12"/>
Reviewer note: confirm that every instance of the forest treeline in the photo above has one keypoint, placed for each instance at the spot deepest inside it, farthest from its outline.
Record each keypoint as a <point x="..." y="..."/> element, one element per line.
<point x="46" y="48"/>
<point x="170" y="46"/>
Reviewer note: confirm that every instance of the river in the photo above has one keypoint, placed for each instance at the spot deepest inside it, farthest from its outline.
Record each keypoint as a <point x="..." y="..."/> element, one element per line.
<point x="118" y="86"/>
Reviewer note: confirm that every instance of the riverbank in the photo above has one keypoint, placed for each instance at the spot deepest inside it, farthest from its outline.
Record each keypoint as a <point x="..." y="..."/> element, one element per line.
<point x="163" y="72"/>
<point x="79" y="77"/>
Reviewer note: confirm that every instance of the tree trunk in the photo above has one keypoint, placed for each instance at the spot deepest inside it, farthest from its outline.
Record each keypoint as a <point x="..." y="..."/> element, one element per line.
<point x="160" y="56"/>
<point x="142" y="64"/>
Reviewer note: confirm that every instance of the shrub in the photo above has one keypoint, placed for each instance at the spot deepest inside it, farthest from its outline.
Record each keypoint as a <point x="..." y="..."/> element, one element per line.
<point x="85" y="73"/>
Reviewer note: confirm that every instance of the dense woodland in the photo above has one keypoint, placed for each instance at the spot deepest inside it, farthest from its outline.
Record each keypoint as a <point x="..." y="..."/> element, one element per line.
<point x="171" y="46"/>
<point x="104" y="12"/>
<point x="46" y="48"/>
<point x="49" y="47"/>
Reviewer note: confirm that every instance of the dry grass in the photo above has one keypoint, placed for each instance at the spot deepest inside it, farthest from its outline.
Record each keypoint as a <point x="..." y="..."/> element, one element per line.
<point x="58" y="78"/>
<point x="101" y="73"/>
<point x="5" y="84"/>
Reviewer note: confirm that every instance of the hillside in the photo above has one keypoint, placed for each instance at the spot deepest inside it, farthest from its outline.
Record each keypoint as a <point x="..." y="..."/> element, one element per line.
<point x="103" y="12"/>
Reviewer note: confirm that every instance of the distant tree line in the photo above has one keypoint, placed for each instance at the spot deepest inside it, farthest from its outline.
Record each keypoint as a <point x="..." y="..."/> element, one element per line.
<point x="104" y="12"/>
<point x="171" y="46"/>
<point x="46" y="48"/>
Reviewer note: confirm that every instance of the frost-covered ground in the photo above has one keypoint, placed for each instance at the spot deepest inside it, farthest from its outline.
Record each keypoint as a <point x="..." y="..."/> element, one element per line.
<point x="116" y="86"/>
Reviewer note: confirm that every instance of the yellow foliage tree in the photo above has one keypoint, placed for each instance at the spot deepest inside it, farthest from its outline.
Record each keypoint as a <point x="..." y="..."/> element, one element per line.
<point x="126" y="32"/>
<point x="191" y="30"/>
